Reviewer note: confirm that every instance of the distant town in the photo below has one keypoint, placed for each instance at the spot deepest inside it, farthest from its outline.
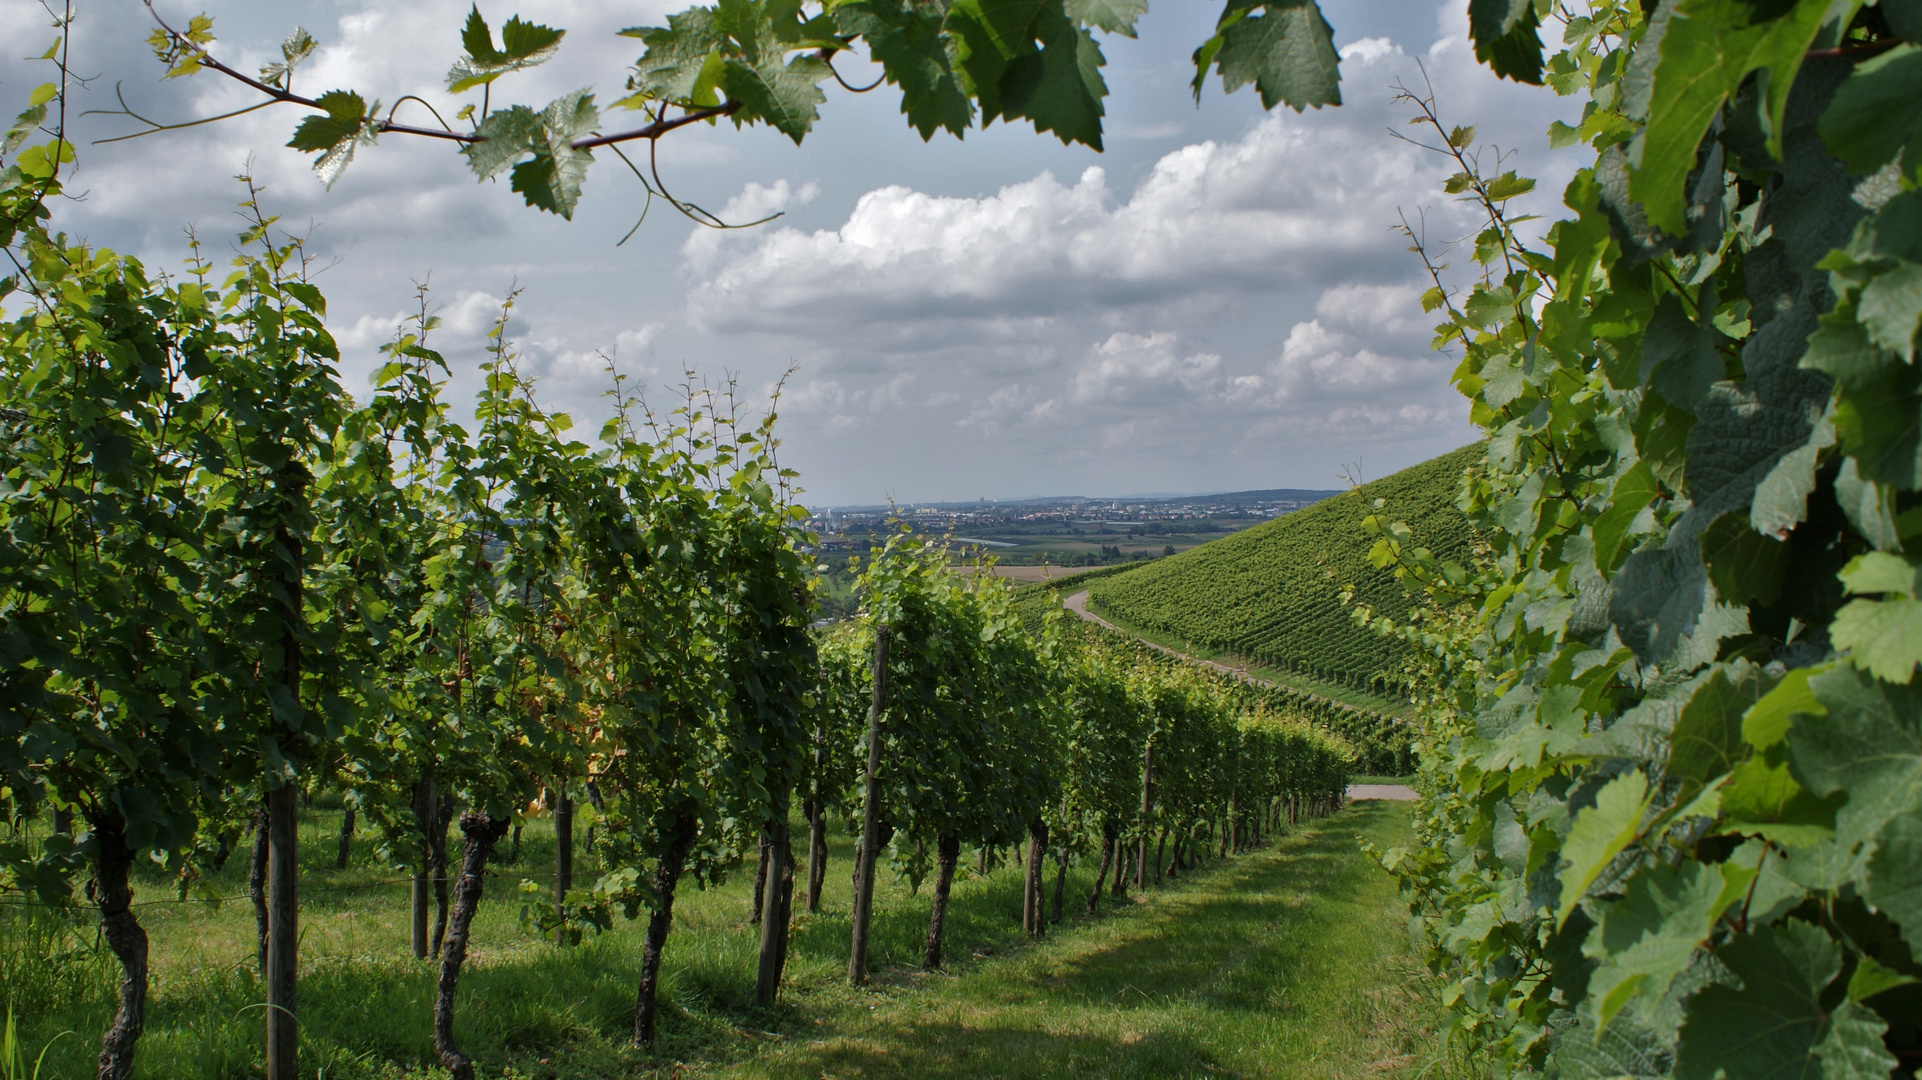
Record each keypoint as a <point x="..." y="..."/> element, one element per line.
<point x="1070" y="530"/>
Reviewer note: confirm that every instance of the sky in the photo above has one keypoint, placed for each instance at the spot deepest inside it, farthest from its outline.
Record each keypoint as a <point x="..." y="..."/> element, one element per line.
<point x="1219" y="301"/>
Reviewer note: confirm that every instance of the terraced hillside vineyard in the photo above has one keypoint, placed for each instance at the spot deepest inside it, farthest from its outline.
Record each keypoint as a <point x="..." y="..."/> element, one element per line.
<point x="1273" y="592"/>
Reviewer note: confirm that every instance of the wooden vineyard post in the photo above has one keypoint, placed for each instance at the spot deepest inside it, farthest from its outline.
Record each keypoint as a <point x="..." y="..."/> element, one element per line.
<point x="817" y="823"/>
<point x="777" y="901"/>
<point x="283" y="934"/>
<point x="870" y="818"/>
<point x="1147" y="804"/>
<point x="563" y="859"/>
<point x="283" y="868"/>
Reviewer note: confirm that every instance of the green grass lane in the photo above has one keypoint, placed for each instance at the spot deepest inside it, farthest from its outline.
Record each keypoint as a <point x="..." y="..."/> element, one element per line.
<point x="1291" y="962"/>
<point x="1288" y="962"/>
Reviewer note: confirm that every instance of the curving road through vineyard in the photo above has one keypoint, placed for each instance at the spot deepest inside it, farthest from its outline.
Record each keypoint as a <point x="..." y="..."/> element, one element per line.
<point x="1078" y="603"/>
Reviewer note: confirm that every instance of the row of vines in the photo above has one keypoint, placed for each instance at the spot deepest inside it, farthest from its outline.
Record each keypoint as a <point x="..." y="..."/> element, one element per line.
<point x="1276" y="593"/>
<point x="225" y="581"/>
<point x="1673" y="813"/>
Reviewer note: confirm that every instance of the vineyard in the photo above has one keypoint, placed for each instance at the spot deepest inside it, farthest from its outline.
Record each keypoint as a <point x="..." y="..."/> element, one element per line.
<point x="1279" y="593"/>
<point x="231" y="587"/>
<point x="1662" y="625"/>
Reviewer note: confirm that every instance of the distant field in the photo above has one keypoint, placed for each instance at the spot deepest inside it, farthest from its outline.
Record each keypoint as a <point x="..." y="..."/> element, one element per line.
<point x="1273" y="593"/>
<point x="1032" y="544"/>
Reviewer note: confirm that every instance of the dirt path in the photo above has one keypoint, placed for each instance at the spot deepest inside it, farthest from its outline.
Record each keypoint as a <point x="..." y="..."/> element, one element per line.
<point x="1078" y="603"/>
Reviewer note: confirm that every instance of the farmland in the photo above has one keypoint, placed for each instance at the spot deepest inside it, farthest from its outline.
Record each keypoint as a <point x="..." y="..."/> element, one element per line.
<point x="1065" y="532"/>
<point x="1272" y="593"/>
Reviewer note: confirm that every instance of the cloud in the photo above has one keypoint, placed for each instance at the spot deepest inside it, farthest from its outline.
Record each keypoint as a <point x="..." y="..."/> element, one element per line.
<point x="1291" y="199"/>
<point x="1011" y="404"/>
<point x="1255" y="214"/>
<point x="1142" y="367"/>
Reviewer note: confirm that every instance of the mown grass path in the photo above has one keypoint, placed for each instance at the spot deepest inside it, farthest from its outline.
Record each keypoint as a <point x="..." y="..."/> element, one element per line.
<point x="1289" y="962"/>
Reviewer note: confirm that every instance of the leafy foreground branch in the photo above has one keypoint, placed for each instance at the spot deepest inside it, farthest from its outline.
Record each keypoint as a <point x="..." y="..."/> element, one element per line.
<point x="1673" y="731"/>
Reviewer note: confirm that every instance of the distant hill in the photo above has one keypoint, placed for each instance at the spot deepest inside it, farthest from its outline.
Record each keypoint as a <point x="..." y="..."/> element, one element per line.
<point x="1270" y="593"/>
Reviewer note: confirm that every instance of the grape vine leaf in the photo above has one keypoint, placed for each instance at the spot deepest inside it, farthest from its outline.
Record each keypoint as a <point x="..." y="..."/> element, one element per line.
<point x="1056" y="84"/>
<point x="681" y="64"/>
<point x="297" y="46"/>
<point x="1744" y="565"/>
<point x="1774" y="1026"/>
<point x="1649" y="936"/>
<point x="1873" y="119"/>
<point x="1872" y="978"/>
<point x="1883" y="637"/>
<point x="1634" y="490"/>
<point x="1707" y="740"/>
<point x="786" y="95"/>
<point x="1112" y="16"/>
<point x="1287" y="51"/>
<point x="906" y="40"/>
<point x="1869" y="746"/>
<point x="1599" y="833"/>
<point x="523" y="45"/>
<point x="1869" y="506"/>
<point x="1890" y="308"/>
<point x="1059" y="88"/>
<point x="1681" y="359"/>
<point x="551" y="180"/>
<point x="1708" y="48"/>
<point x="346" y="123"/>
<point x="1507" y="38"/>
<point x="506" y="134"/>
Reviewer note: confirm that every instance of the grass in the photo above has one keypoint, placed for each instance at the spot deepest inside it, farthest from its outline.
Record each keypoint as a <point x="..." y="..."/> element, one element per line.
<point x="1287" y="962"/>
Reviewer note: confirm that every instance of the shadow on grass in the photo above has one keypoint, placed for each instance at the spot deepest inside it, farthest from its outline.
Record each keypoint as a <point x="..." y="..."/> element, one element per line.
<point x="946" y="1051"/>
<point x="1167" y="989"/>
<point x="1214" y="940"/>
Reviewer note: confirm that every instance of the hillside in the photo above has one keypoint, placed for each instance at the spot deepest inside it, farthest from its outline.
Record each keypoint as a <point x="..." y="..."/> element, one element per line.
<point x="1270" y="593"/>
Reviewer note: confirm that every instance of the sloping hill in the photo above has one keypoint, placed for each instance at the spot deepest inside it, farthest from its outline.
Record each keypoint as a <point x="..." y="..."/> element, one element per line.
<point x="1270" y="593"/>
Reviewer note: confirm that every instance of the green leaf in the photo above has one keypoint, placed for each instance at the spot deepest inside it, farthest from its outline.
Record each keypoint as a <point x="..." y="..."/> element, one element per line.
<point x="1873" y="115"/>
<point x="1508" y="186"/>
<point x="784" y="96"/>
<point x="1880" y="572"/>
<point x="1506" y="38"/>
<point x="682" y="63"/>
<point x="1649" y="936"/>
<point x="1904" y="17"/>
<point x="1707" y="740"/>
<point x="523" y="45"/>
<point x="907" y="41"/>
<point x="1767" y="721"/>
<point x="551" y="180"/>
<point x="1773" y="1027"/>
<point x="1599" y="833"/>
<point x="1890" y="308"/>
<point x="1059" y="88"/>
<point x="1288" y="52"/>
<point x="346" y="123"/>
<point x="1744" y="565"/>
<point x="1871" y="978"/>
<point x="1113" y="16"/>
<point x="1761" y="798"/>
<point x="1869" y="506"/>
<point x="1883" y="637"/>
<point x="1634" y="490"/>
<point x="1869" y="746"/>
<point x="1709" y="47"/>
<point x="1681" y="359"/>
<point x="297" y="46"/>
<point x="506" y="134"/>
